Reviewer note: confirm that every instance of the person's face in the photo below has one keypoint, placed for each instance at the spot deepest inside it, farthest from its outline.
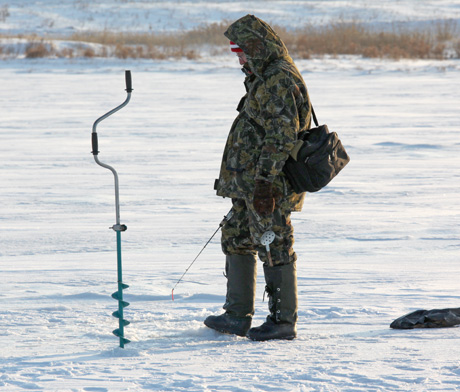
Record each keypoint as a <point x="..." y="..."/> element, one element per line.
<point x="242" y="58"/>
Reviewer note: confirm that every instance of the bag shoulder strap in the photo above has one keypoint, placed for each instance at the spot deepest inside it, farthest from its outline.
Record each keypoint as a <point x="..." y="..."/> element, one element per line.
<point x="314" y="116"/>
<point x="300" y="142"/>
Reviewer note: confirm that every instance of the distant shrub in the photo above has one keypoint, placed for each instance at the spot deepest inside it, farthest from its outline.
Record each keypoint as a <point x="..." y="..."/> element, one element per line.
<point x="446" y="30"/>
<point x="356" y="39"/>
<point x="89" y="52"/>
<point x="437" y="41"/>
<point x="211" y="34"/>
<point x="123" y="51"/>
<point x="333" y="39"/>
<point x="37" y="49"/>
<point x="66" y="53"/>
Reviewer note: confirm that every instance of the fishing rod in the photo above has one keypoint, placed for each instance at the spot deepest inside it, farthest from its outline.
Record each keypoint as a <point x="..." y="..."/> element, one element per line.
<point x="221" y="224"/>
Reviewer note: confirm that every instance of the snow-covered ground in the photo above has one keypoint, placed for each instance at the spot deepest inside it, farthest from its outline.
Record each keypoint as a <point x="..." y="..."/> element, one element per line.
<point x="380" y="241"/>
<point x="56" y="16"/>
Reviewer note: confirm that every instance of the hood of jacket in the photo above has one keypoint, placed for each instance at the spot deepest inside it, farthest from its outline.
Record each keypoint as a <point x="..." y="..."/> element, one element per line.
<point x="259" y="42"/>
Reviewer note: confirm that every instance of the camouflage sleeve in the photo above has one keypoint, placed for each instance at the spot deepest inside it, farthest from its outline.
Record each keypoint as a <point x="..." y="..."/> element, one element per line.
<point x="279" y="117"/>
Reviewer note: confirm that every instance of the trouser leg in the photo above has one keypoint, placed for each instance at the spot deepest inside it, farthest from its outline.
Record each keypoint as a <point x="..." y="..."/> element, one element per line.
<point x="241" y="238"/>
<point x="242" y="234"/>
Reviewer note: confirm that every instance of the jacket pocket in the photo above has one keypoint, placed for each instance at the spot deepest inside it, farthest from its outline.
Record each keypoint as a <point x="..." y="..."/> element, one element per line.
<point x="243" y="146"/>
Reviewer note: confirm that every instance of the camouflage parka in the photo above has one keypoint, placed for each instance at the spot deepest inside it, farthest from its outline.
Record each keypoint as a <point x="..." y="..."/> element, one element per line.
<point x="274" y="110"/>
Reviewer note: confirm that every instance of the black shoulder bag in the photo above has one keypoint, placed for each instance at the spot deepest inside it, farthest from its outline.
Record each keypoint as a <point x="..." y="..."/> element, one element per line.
<point x="316" y="159"/>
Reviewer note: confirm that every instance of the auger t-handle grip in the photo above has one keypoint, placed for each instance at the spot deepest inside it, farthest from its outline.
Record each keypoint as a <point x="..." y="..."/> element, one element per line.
<point x="129" y="84"/>
<point x="94" y="143"/>
<point x="129" y="89"/>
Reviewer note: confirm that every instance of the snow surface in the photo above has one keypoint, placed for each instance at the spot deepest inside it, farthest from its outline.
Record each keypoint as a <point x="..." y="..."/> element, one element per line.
<point x="380" y="241"/>
<point x="56" y="16"/>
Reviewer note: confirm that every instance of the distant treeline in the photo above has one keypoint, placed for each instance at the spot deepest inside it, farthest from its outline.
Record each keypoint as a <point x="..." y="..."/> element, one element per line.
<point x="437" y="41"/>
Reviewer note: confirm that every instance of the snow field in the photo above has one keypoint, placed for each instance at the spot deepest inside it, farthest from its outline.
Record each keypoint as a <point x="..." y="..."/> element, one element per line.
<point x="380" y="241"/>
<point x="57" y="17"/>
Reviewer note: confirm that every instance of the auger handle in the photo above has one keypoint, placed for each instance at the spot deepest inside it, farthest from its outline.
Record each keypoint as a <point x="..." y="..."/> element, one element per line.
<point x="129" y="86"/>
<point x="94" y="140"/>
<point x="94" y="143"/>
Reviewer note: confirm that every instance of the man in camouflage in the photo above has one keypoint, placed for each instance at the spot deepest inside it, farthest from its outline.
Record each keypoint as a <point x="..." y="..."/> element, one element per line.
<point x="274" y="110"/>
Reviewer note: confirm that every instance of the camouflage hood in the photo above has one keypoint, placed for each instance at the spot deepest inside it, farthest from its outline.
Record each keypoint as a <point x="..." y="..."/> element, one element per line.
<point x="258" y="41"/>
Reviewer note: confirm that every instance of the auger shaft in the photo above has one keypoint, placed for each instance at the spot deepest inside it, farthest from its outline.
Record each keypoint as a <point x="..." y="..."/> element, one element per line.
<point x="118" y="295"/>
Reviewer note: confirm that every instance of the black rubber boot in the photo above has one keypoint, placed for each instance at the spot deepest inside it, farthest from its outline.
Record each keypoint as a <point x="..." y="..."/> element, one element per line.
<point x="239" y="304"/>
<point x="282" y="291"/>
<point x="225" y="323"/>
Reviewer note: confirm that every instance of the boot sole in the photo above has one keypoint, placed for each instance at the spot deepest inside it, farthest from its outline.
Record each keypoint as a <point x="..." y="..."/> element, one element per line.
<point x="255" y="339"/>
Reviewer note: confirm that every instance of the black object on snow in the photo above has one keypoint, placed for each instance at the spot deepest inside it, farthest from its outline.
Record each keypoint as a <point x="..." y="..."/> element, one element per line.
<point x="436" y="318"/>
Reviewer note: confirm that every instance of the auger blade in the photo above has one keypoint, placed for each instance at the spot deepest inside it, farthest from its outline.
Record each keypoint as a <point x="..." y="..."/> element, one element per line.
<point x="117" y="297"/>
<point x="118" y="333"/>
<point x="117" y="315"/>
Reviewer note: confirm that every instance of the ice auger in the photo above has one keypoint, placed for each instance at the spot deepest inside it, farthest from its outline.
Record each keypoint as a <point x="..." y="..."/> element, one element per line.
<point x="118" y="227"/>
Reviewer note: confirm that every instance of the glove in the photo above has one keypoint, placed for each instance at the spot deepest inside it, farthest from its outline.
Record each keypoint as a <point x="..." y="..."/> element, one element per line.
<point x="264" y="202"/>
